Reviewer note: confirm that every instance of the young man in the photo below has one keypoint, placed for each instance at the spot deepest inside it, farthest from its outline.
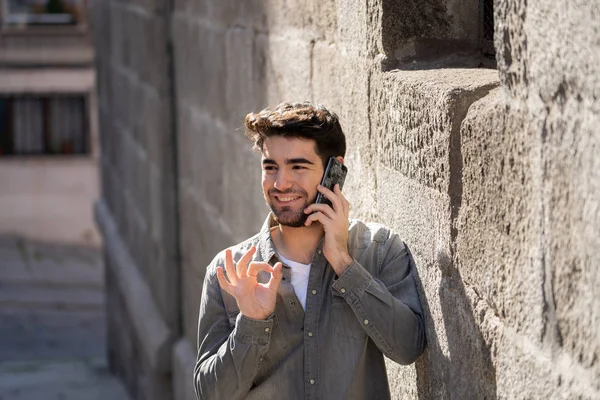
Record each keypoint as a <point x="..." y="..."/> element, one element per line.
<point x="308" y="307"/>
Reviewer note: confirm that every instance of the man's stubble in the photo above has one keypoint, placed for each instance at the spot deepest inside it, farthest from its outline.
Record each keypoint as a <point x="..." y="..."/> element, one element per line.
<point x="286" y="216"/>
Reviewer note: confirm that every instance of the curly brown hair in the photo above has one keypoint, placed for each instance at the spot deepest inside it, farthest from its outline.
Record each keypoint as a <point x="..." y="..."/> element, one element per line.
<point x="299" y="120"/>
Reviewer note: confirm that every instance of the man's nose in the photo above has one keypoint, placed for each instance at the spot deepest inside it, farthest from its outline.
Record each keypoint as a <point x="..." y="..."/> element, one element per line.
<point x="282" y="182"/>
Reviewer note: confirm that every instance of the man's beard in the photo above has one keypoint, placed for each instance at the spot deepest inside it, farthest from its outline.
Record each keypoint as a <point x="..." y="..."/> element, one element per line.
<point x="285" y="215"/>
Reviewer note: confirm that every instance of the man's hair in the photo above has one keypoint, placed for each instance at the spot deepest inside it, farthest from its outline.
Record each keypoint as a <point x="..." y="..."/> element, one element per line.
<point x="299" y="120"/>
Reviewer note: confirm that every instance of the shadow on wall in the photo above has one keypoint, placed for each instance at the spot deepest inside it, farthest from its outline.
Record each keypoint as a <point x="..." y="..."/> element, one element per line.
<point x="468" y="372"/>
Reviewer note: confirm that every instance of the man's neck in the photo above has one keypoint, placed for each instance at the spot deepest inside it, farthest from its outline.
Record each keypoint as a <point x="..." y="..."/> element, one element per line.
<point x="297" y="244"/>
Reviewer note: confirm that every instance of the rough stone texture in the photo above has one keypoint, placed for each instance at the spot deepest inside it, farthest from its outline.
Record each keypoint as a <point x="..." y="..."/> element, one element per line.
<point x="138" y="189"/>
<point x="488" y="175"/>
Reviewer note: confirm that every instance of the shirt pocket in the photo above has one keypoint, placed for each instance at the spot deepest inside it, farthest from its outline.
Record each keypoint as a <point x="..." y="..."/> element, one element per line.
<point x="345" y="322"/>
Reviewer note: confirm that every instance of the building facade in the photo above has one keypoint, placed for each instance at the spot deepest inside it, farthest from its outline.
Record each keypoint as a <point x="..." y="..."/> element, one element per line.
<point x="472" y="132"/>
<point x="48" y="119"/>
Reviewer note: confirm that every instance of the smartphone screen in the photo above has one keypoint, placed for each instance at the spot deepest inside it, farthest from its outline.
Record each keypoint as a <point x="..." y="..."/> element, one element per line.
<point x="335" y="172"/>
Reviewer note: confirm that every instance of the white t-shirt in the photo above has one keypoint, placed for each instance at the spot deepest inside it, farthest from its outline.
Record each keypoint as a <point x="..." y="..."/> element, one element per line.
<point x="300" y="274"/>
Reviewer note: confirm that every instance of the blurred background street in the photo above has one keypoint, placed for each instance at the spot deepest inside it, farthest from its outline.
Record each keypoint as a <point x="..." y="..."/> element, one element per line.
<point x="52" y="330"/>
<point x="471" y="131"/>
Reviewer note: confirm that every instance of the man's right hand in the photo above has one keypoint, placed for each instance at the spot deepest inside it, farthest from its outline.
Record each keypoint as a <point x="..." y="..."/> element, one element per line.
<point x="255" y="300"/>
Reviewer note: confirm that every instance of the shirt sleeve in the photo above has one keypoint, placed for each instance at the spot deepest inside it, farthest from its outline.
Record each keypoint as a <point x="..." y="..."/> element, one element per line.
<point x="388" y="306"/>
<point x="228" y="358"/>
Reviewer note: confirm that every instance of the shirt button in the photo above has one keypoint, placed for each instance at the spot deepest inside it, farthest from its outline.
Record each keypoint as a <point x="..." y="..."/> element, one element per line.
<point x="312" y="381"/>
<point x="319" y="252"/>
<point x="366" y="322"/>
<point x="343" y="290"/>
<point x="293" y="303"/>
<point x="314" y="292"/>
<point x="267" y="330"/>
<point x="310" y="334"/>
<point x="260" y="359"/>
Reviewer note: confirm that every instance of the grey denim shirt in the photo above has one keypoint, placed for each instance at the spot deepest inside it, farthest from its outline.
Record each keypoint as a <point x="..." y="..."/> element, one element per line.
<point x="334" y="349"/>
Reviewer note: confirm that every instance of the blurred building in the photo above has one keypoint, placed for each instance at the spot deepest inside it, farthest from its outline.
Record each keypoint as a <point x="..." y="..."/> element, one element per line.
<point x="488" y="170"/>
<point x="48" y="119"/>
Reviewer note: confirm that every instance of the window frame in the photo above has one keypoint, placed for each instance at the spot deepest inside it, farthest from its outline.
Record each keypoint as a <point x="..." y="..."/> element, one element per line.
<point x="86" y="135"/>
<point x="8" y="22"/>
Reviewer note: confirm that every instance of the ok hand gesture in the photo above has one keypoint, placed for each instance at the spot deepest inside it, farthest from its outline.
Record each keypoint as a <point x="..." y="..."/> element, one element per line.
<point x="255" y="300"/>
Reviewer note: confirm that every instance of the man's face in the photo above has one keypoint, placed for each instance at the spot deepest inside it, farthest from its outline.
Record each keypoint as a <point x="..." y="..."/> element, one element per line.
<point x="291" y="171"/>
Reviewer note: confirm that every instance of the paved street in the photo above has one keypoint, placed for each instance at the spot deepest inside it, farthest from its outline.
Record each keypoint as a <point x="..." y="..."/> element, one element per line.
<point x="52" y="329"/>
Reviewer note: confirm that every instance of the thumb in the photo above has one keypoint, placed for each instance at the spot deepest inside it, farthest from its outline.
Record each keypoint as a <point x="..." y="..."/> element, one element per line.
<point x="276" y="276"/>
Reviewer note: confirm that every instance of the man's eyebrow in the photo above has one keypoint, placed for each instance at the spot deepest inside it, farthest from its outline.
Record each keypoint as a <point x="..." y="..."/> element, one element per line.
<point x="299" y="160"/>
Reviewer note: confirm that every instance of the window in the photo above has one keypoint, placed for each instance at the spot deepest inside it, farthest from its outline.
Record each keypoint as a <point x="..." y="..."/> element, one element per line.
<point x="42" y="125"/>
<point x="486" y="8"/>
<point x="43" y="12"/>
<point x="418" y="34"/>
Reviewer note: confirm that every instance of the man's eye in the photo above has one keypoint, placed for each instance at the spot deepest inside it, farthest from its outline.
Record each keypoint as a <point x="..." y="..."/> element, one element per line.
<point x="299" y="167"/>
<point x="269" y="168"/>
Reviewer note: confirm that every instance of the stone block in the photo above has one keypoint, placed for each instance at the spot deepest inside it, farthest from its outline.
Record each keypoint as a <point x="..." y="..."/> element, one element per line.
<point x="325" y="15"/>
<point x="352" y="29"/>
<point x="192" y="8"/>
<point x="286" y="65"/>
<point x="186" y="58"/>
<point x="154" y="130"/>
<point x="202" y="155"/>
<point x="154" y="336"/>
<point x="571" y="224"/>
<point x="206" y="78"/>
<point x="145" y="6"/>
<point x="499" y="223"/>
<point x="548" y="375"/>
<point x="203" y="235"/>
<point x="252" y="14"/>
<point x="243" y="94"/>
<point x="117" y="39"/>
<point x="193" y="271"/>
<point x="290" y="15"/>
<point x="184" y="360"/>
<point x="415" y="113"/>
<point x="155" y="67"/>
<point x="244" y="205"/>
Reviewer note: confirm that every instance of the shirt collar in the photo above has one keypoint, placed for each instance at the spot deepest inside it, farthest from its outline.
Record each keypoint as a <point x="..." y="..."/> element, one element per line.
<point x="266" y="246"/>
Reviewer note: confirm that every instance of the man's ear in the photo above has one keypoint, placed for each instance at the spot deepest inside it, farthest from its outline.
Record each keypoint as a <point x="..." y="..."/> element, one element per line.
<point x="340" y="159"/>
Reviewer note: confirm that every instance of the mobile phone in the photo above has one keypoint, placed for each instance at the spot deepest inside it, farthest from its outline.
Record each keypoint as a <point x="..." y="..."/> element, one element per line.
<point x="335" y="172"/>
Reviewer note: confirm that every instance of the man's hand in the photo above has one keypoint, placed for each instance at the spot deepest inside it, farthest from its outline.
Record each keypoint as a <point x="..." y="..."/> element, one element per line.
<point x="335" y="223"/>
<point x="255" y="300"/>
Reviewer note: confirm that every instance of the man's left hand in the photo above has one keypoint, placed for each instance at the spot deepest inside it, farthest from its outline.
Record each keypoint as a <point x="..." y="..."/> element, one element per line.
<point x="335" y="223"/>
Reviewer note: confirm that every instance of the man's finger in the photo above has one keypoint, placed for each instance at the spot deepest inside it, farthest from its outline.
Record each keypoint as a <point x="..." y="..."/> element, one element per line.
<point x="335" y="200"/>
<point x="276" y="276"/>
<point x="231" y="273"/>
<point x="324" y="208"/>
<point x="318" y="216"/>
<point x="259" y="266"/>
<point x="226" y="286"/>
<point x="242" y="265"/>
<point x="343" y="201"/>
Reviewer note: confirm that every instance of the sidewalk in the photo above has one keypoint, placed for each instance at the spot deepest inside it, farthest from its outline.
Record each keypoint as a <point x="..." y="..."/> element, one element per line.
<point x="52" y="327"/>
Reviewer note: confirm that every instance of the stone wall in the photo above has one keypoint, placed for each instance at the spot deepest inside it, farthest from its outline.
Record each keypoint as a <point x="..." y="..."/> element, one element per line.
<point x="488" y="174"/>
<point x="137" y="210"/>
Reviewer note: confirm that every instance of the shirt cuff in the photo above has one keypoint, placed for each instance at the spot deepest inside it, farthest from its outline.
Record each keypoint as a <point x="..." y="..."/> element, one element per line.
<point x="252" y="330"/>
<point x="353" y="281"/>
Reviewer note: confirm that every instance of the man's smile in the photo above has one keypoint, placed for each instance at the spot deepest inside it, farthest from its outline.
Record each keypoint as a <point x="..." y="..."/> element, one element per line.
<point x="286" y="198"/>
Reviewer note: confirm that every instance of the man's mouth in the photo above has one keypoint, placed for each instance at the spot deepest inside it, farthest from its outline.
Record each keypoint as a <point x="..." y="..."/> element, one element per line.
<point x="286" y="199"/>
